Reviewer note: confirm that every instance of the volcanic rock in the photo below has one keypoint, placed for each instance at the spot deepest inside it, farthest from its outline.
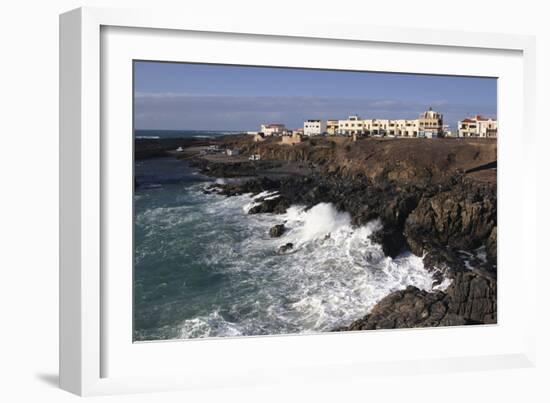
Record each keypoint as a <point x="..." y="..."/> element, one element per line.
<point x="470" y="299"/>
<point x="277" y="230"/>
<point x="276" y="205"/>
<point x="285" y="248"/>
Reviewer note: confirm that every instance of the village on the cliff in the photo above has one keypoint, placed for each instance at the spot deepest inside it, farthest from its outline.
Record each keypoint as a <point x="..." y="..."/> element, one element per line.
<point x="428" y="125"/>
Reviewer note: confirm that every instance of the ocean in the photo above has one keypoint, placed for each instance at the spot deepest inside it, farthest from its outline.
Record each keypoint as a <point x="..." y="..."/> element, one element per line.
<point x="203" y="267"/>
<point x="160" y="134"/>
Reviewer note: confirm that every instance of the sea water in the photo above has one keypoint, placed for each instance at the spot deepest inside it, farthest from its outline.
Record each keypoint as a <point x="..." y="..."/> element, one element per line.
<point x="204" y="267"/>
<point x="166" y="134"/>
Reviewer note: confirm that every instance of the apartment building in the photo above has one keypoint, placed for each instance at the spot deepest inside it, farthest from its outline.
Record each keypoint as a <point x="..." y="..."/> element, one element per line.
<point x="315" y="127"/>
<point x="352" y="125"/>
<point x="478" y="126"/>
<point x="406" y="127"/>
<point x="332" y="127"/>
<point x="430" y="124"/>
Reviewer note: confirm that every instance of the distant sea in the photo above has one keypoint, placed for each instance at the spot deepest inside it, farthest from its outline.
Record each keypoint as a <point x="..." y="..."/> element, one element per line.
<point x="164" y="134"/>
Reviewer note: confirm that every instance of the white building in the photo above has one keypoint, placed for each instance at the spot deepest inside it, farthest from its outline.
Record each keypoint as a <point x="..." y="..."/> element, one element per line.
<point x="352" y="125"/>
<point x="405" y="127"/>
<point x="231" y="152"/>
<point x="447" y="132"/>
<point x="477" y="126"/>
<point x="332" y="127"/>
<point x="273" y="129"/>
<point x="378" y="127"/>
<point x="430" y="124"/>
<point x="315" y="127"/>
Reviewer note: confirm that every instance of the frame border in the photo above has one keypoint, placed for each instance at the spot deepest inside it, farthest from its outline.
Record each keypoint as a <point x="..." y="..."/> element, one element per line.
<point x="80" y="306"/>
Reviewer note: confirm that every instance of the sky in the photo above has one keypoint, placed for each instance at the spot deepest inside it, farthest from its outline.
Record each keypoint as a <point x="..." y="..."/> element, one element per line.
<point x="184" y="96"/>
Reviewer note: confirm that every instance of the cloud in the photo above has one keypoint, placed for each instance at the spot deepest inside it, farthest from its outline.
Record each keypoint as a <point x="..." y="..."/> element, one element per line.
<point x="168" y="110"/>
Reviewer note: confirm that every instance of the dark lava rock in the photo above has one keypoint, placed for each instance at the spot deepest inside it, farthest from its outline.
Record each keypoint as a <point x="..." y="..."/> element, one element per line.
<point x="224" y="169"/>
<point x="277" y="230"/>
<point x="278" y="205"/>
<point x="393" y="241"/>
<point x="285" y="248"/>
<point x="253" y="186"/>
<point x="462" y="218"/>
<point x="470" y="299"/>
<point x="491" y="246"/>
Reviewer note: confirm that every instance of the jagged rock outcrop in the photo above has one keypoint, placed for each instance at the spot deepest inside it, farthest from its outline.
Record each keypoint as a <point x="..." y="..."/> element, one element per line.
<point x="462" y="218"/>
<point x="470" y="299"/>
<point x="277" y="205"/>
<point x="460" y="214"/>
<point x="231" y="169"/>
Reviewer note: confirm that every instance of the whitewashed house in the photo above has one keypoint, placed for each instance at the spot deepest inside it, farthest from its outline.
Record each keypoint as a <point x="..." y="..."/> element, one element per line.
<point x="273" y="129"/>
<point x="352" y="125"/>
<point x="315" y="127"/>
<point x="477" y="126"/>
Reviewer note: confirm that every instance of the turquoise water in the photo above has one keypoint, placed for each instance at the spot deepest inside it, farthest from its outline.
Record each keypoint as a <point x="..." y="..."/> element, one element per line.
<point x="203" y="267"/>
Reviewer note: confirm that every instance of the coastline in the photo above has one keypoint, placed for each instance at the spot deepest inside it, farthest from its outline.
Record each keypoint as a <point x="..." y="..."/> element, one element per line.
<point x="442" y="209"/>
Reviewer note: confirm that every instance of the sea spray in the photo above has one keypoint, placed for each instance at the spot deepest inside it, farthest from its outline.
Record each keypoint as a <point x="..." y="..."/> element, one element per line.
<point x="321" y="220"/>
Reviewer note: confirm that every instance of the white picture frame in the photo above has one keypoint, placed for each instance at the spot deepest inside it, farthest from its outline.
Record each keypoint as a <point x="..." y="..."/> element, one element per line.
<point x="85" y="173"/>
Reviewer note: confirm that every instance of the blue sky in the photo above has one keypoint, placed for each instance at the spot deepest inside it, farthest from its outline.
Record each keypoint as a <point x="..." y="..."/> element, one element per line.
<point x="217" y="97"/>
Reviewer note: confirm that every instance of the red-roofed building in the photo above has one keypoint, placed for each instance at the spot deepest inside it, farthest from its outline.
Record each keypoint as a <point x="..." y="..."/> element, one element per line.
<point x="478" y="126"/>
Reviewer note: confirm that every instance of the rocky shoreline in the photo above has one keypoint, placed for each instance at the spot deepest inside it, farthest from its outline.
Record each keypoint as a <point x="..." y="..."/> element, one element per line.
<point x="439" y="212"/>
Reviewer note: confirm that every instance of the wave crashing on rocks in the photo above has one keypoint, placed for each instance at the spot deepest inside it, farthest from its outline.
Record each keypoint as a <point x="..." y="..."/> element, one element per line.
<point x="333" y="274"/>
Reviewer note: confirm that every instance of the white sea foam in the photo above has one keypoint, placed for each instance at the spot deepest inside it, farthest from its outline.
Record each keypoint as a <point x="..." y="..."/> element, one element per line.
<point x="321" y="220"/>
<point x="249" y="205"/>
<point x="444" y="284"/>
<point x="265" y="195"/>
<point x="212" y="324"/>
